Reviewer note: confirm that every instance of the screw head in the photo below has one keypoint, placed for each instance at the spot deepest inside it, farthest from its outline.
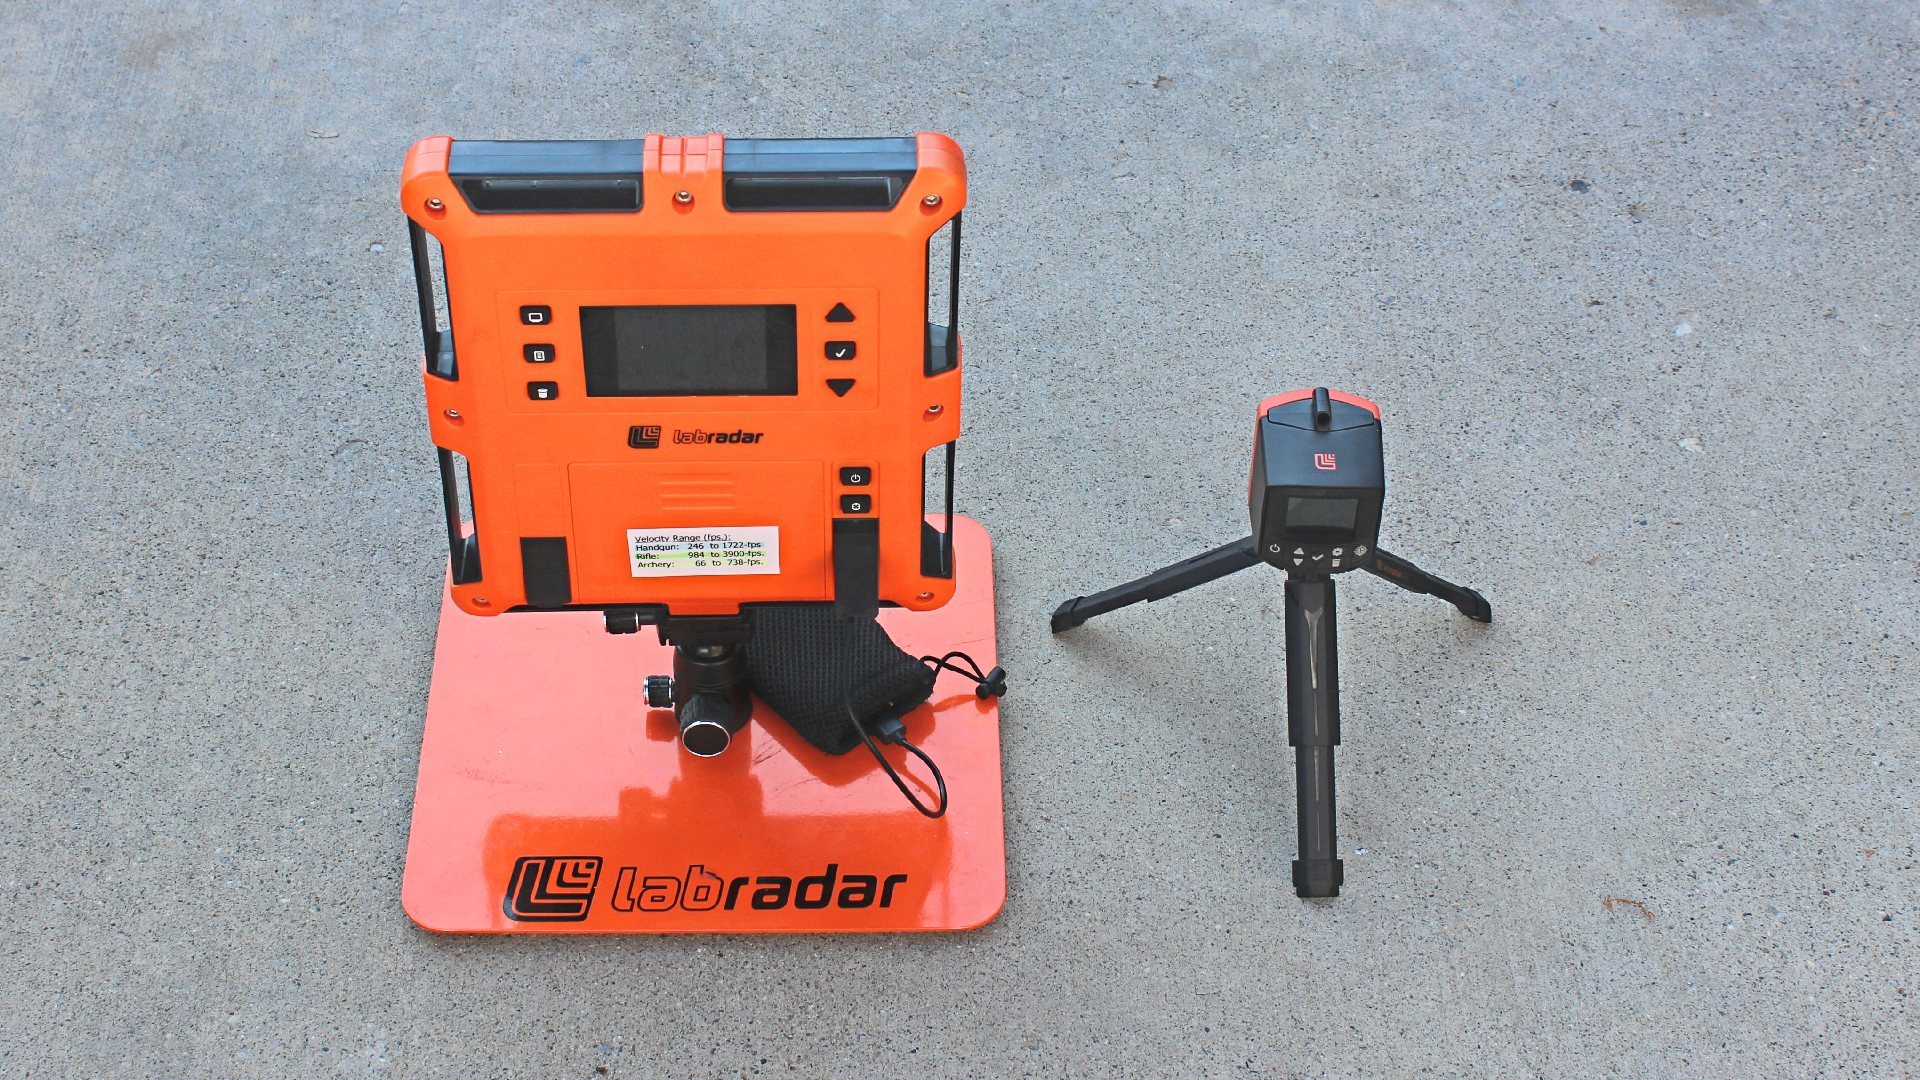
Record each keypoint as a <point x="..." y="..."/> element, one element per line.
<point x="683" y="197"/>
<point x="453" y="414"/>
<point x="931" y="200"/>
<point x="436" y="204"/>
<point x="935" y="410"/>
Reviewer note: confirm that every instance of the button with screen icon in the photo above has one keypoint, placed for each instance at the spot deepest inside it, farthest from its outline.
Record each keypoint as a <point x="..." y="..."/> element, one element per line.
<point x="536" y="314"/>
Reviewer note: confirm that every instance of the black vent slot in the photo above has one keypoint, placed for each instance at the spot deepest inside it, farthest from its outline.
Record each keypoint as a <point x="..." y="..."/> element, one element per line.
<point x="556" y="194"/>
<point x="587" y="176"/>
<point x="801" y="175"/>
<point x="801" y="193"/>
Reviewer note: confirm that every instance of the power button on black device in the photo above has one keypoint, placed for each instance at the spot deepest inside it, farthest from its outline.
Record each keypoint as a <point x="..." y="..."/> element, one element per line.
<point x="856" y="504"/>
<point x="543" y="391"/>
<point x="856" y="476"/>
<point x="536" y="314"/>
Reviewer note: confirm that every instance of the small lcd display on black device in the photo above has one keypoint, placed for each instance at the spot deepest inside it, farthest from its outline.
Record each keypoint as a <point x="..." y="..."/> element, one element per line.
<point x="681" y="351"/>
<point x="1321" y="517"/>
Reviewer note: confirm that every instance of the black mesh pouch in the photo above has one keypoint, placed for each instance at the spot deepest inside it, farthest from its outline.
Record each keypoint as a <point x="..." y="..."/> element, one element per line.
<point x="793" y="661"/>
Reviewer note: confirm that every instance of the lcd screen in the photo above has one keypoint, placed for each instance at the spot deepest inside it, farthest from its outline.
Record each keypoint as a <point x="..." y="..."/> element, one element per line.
<point x="688" y="350"/>
<point x="1329" y="518"/>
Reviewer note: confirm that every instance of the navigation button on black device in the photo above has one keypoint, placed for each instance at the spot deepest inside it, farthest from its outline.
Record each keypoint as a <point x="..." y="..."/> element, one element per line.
<point x="536" y="314"/>
<point x="856" y="476"/>
<point x="856" y="504"/>
<point x="538" y="354"/>
<point x="841" y="350"/>
<point x="543" y="391"/>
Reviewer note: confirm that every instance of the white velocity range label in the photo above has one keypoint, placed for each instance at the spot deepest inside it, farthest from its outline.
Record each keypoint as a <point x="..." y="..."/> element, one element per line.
<point x="748" y="549"/>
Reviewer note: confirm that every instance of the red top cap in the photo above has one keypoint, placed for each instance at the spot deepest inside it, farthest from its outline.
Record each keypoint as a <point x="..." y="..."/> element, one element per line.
<point x="1296" y="395"/>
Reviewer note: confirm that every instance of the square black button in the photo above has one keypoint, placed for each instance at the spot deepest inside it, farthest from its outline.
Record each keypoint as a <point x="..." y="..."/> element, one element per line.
<point x="856" y="476"/>
<point x="536" y="314"/>
<point x="539" y="354"/>
<point x="840" y="350"/>
<point x="543" y="391"/>
<point x="856" y="504"/>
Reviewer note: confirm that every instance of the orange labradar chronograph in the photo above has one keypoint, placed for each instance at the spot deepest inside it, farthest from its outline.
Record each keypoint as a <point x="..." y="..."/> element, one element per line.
<point x="589" y="482"/>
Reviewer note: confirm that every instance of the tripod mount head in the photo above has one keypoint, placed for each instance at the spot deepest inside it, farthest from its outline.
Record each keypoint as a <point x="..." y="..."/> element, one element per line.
<point x="1319" y="478"/>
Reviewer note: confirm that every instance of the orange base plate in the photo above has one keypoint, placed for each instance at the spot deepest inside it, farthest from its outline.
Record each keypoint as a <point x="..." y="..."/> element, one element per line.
<point x="552" y="800"/>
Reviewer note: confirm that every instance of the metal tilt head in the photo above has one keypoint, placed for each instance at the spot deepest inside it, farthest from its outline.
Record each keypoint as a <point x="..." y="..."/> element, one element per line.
<point x="1318" y="481"/>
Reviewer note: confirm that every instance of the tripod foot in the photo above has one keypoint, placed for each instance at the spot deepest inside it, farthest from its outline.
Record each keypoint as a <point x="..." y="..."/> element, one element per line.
<point x="1317" y="878"/>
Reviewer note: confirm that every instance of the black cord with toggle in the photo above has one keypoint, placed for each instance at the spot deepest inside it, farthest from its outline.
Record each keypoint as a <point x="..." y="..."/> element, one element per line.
<point x="895" y="733"/>
<point x="986" y="684"/>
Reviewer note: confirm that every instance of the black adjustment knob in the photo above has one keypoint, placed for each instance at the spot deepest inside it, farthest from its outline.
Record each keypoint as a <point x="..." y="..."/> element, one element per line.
<point x="660" y="691"/>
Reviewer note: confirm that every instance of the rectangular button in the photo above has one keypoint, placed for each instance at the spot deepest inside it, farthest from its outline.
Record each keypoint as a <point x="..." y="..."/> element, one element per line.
<point x="856" y="476"/>
<point x="856" y="504"/>
<point x="543" y="391"/>
<point x="536" y="314"/>
<point x="841" y="350"/>
<point x="539" y="354"/>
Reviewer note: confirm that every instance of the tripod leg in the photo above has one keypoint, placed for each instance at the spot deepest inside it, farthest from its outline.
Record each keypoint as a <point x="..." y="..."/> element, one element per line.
<point x="1413" y="579"/>
<point x="1158" y="585"/>
<point x="1313" y="729"/>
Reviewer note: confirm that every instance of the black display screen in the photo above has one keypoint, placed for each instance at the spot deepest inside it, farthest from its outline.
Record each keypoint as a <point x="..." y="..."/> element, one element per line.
<point x="678" y="351"/>
<point x="1330" y="518"/>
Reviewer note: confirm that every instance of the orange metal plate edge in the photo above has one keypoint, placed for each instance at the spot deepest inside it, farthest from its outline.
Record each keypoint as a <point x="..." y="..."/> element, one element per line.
<point x="547" y="787"/>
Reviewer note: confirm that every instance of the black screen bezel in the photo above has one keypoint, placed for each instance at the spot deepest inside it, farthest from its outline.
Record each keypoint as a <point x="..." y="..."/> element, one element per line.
<point x="600" y="352"/>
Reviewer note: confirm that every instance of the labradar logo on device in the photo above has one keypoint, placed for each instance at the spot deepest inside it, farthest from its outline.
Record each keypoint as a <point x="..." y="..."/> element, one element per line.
<point x="554" y="888"/>
<point x="1323" y="461"/>
<point x="644" y="436"/>
<point x="698" y="436"/>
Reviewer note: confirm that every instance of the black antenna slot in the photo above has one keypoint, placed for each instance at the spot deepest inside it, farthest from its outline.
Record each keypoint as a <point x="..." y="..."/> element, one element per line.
<point x="943" y="312"/>
<point x="439" y="343"/>
<point x="463" y="549"/>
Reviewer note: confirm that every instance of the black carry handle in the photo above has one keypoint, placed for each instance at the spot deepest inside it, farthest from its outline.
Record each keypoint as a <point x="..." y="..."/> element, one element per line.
<point x="439" y="343"/>
<point x="1413" y="579"/>
<point x="1158" y="585"/>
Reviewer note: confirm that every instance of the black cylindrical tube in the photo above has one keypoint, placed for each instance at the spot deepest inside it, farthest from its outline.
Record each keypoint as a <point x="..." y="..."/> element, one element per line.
<point x="710" y="695"/>
<point x="1313" y="729"/>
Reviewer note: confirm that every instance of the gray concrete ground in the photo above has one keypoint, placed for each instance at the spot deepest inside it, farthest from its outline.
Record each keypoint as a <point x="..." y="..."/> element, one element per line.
<point x="1634" y="283"/>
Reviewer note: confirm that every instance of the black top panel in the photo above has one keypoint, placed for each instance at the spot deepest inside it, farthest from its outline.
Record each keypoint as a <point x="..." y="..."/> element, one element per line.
<point x="585" y="157"/>
<point x="798" y="175"/>
<point x="588" y="176"/>
<point x="800" y="157"/>
<point x="1299" y="414"/>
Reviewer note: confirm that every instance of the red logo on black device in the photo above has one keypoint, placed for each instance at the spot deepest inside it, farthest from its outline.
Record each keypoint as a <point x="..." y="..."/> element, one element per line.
<point x="1323" y="461"/>
<point x="552" y="888"/>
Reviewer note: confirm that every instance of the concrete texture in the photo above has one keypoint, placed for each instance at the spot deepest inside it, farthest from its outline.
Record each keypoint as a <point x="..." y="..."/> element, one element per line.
<point x="1634" y="283"/>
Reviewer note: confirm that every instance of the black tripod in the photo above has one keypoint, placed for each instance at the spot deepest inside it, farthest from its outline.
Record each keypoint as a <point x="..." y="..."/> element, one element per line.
<point x="1313" y="678"/>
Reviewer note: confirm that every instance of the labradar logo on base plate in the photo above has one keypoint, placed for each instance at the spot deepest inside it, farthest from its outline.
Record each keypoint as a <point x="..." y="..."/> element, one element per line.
<point x="552" y="888"/>
<point x="547" y="888"/>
